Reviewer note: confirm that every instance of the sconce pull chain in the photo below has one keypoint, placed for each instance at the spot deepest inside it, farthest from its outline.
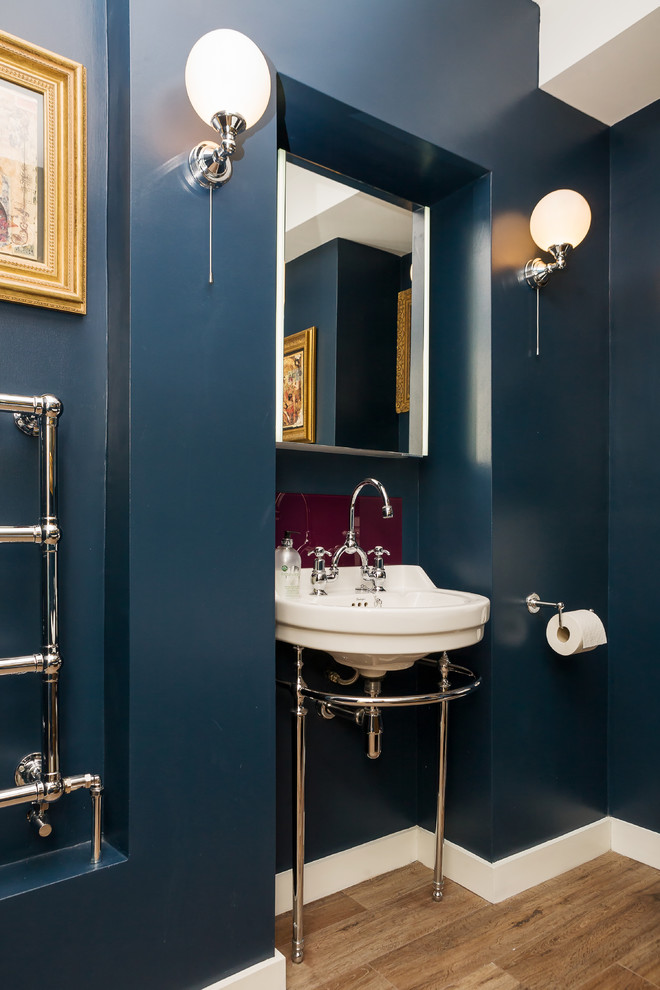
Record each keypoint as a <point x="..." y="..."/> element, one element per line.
<point x="210" y="235"/>
<point x="538" y="344"/>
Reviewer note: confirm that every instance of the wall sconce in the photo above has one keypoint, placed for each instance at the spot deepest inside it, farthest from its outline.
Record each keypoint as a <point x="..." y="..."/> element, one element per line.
<point x="559" y="222"/>
<point x="228" y="84"/>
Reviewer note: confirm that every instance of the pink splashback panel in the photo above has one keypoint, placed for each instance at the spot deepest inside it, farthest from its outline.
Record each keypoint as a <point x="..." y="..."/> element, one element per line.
<point x="322" y="521"/>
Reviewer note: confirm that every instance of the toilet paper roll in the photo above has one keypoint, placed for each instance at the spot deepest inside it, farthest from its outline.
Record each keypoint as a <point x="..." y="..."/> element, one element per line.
<point x="580" y="632"/>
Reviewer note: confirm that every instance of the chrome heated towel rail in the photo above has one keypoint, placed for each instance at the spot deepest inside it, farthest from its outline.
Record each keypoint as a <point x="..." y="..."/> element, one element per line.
<point x="38" y="778"/>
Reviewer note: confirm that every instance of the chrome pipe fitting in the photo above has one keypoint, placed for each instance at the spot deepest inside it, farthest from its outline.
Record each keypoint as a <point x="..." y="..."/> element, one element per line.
<point x="335" y="677"/>
<point x="96" y="792"/>
<point x="51" y="663"/>
<point x="50" y="731"/>
<point x="373" y="719"/>
<point x="355" y="715"/>
<point x="87" y="780"/>
<point x="30" y="404"/>
<point x="47" y="533"/>
<point x="20" y="534"/>
<point x="53" y="788"/>
<point x="49" y="405"/>
<point x="22" y="665"/>
<point x="25" y="794"/>
<point x="374" y="726"/>
<point x="37" y="777"/>
<point x="50" y="533"/>
<point x="92" y="782"/>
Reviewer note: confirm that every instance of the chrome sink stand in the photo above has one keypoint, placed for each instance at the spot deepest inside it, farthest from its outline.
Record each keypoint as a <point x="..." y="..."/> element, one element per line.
<point x="363" y="707"/>
<point x="38" y="779"/>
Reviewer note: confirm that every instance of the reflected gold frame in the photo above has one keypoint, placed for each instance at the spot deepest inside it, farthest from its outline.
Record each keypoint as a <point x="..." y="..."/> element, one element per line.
<point x="403" y="352"/>
<point x="58" y="281"/>
<point x="304" y="341"/>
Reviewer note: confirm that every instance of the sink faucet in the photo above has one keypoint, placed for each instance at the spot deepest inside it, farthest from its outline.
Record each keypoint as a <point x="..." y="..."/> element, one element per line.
<point x="351" y="545"/>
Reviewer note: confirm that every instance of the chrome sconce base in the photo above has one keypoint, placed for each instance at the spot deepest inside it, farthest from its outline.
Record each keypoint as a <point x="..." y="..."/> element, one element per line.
<point x="537" y="271"/>
<point x="210" y="164"/>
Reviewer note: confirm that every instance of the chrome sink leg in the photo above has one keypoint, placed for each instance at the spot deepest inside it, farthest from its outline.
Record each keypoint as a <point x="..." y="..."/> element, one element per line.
<point x="299" y="714"/>
<point x="438" y="879"/>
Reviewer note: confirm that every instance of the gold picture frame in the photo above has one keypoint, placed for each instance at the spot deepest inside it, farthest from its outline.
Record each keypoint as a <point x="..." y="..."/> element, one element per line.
<point x="299" y="395"/>
<point x="43" y="207"/>
<point x="403" y="352"/>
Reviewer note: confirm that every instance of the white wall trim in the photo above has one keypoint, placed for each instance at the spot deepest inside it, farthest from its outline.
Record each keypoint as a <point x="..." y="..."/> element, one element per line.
<point x="267" y="975"/>
<point x="343" y="869"/>
<point x="492" y="881"/>
<point x="636" y="842"/>
<point x="513" y="874"/>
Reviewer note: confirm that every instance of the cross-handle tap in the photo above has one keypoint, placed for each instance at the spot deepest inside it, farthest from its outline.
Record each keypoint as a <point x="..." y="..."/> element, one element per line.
<point x="319" y="575"/>
<point x="377" y="569"/>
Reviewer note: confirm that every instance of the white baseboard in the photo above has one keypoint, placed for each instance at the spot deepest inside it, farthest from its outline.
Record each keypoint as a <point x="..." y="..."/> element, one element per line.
<point x="267" y="975"/>
<point x="506" y="877"/>
<point x="343" y="869"/>
<point x="636" y="842"/>
<point x="492" y="881"/>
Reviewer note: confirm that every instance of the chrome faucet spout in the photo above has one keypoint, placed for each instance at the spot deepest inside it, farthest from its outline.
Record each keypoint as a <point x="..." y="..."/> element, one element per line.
<point x="386" y="510"/>
<point x="350" y="544"/>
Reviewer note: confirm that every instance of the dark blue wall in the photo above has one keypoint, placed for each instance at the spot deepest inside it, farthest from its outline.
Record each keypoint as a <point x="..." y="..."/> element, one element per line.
<point x="366" y="348"/>
<point x="311" y="300"/>
<point x="550" y="462"/>
<point x="635" y="477"/>
<point x="186" y="623"/>
<point x="455" y="496"/>
<point x="349" y="292"/>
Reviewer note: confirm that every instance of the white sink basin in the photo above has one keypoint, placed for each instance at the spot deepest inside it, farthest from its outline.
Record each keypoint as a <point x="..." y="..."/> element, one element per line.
<point x="414" y="619"/>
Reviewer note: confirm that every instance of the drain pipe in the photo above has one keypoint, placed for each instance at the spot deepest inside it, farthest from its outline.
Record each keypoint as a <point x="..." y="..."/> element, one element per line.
<point x="373" y="718"/>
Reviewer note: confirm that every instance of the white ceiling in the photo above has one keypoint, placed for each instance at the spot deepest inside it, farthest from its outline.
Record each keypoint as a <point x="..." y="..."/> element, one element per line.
<point x="319" y="209"/>
<point x="601" y="56"/>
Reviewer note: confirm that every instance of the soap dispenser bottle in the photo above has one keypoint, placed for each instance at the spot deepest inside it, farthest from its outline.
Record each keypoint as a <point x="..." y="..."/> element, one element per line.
<point x="287" y="569"/>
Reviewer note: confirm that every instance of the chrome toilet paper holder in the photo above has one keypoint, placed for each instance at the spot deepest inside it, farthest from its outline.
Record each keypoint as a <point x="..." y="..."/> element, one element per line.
<point x="533" y="603"/>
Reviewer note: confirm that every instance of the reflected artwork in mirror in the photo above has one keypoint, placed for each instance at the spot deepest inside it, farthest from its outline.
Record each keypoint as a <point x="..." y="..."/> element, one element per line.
<point x="352" y="263"/>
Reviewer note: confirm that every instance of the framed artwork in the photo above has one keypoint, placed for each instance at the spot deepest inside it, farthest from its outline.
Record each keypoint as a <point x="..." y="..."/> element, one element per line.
<point x="299" y="395"/>
<point x="42" y="177"/>
<point x="403" y="352"/>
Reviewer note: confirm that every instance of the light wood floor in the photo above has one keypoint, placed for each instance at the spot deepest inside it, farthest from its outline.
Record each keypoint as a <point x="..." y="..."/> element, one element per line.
<point x="595" y="928"/>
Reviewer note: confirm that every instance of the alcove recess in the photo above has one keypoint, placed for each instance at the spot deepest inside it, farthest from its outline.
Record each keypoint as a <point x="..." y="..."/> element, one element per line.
<point x="445" y="497"/>
<point x="321" y="130"/>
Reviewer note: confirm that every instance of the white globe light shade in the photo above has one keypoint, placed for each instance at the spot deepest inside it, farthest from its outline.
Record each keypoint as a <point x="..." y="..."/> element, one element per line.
<point x="227" y="73"/>
<point x="561" y="217"/>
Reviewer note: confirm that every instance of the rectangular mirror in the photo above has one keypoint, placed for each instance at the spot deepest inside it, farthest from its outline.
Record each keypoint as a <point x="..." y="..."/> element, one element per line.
<point x="352" y="315"/>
